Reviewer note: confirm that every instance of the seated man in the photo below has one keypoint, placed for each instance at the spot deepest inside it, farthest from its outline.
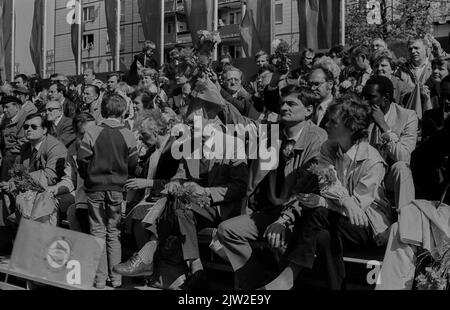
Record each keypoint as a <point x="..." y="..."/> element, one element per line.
<point x="223" y="181"/>
<point x="351" y="209"/>
<point x="43" y="155"/>
<point x="270" y="190"/>
<point x="394" y="134"/>
<point x="61" y="126"/>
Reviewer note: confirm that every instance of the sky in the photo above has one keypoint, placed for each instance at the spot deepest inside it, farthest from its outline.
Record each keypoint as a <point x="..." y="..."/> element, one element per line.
<point x="24" y="22"/>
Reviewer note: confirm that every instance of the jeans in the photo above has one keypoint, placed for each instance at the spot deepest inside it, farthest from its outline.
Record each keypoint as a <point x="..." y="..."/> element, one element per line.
<point x="104" y="216"/>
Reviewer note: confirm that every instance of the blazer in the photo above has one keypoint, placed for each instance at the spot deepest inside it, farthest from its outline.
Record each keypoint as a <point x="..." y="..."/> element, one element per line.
<point x="296" y="178"/>
<point x="404" y="125"/>
<point x="48" y="167"/>
<point x="64" y="132"/>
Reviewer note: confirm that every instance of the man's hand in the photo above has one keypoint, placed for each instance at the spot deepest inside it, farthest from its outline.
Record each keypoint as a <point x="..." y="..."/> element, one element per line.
<point x="276" y="235"/>
<point x="425" y="91"/>
<point x="4" y="186"/>
<point x="172" y="187"/>
<point x="312" y="201"/>
<point x="357" y="216"/>
<point x="378" y="118"/>
<point x="136" y="184"/>
<point x="197" y="189"/>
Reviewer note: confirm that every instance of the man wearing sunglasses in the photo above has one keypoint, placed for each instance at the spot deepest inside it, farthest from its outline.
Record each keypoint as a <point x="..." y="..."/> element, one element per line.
<point x="43" y="155"/>
<point x="61" y="126"/>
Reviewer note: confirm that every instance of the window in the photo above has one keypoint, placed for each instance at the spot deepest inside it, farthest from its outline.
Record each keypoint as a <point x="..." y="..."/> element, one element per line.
<point x="89" y="13"/>
<point x="234" y="18"/>
<point x="235" y="51"/>
<point x="88" y="41"/>
<point x="279" y="13"/>
<point x="87" y="65"/>
<point x="141" y="35"/>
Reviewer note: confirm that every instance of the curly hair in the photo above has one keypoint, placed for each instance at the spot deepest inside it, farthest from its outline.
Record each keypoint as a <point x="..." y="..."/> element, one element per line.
<point x="354" y="114"/>
<point x="153" y="121"/>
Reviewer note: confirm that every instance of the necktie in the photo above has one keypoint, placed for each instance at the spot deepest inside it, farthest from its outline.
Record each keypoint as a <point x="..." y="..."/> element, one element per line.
<point x="33" y="158"/>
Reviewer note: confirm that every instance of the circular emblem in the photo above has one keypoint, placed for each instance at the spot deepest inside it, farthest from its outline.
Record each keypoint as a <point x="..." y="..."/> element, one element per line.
<point x="58" y="254"/>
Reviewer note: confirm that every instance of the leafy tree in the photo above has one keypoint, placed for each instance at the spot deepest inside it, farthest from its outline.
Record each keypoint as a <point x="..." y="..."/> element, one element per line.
<point x="400" y="20"/>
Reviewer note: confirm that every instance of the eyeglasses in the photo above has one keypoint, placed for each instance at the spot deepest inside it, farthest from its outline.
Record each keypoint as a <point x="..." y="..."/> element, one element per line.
<point x="314" y="85"/>
<point x="34" y="127"/>
<point x="52" y="109"/>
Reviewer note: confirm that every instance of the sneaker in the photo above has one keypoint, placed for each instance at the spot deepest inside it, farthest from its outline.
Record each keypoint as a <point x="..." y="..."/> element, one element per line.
<point x="100" y="285"/>
<point x="134" y="267"/>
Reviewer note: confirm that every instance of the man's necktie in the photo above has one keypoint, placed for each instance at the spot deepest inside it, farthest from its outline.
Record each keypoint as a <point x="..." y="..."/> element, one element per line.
<point x="33" y="158"/>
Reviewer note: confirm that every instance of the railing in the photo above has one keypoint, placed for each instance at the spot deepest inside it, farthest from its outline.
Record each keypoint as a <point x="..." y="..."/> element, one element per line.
<point x="229" y="31"/>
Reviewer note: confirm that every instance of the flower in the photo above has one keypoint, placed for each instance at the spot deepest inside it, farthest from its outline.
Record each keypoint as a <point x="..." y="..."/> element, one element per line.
<point x="327" y="176"/>
<point x="23" y="182"/>
<point x="187" y="197"/>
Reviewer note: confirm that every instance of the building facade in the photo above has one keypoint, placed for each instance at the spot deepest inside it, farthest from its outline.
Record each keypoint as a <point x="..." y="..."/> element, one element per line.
<point x="96" y="52"/>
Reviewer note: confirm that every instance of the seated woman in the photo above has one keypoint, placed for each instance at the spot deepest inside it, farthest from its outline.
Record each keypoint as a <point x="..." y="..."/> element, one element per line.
<point x="351" y="209"/>
<point x="154" y="131"/>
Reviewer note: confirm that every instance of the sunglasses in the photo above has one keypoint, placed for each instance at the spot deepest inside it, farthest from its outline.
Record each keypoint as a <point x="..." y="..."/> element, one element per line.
<point x="34" y="127"/>
<point x="52" y="109"/>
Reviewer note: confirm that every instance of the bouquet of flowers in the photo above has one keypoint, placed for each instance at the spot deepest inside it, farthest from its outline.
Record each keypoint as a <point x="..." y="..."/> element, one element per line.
<point x="327" y="176"/>
<point x="207" y="40"/>
<point x="22" y="181"/>
<point x="187" y="197"/>
<point x="280" y="58"/>
<point x="437" y="275"/>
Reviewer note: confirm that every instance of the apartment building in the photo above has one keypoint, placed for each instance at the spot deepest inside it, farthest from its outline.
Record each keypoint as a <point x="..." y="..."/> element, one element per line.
<point x="96" y="52"/>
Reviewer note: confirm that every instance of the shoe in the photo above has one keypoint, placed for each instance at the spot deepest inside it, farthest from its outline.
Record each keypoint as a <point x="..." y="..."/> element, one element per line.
<point x="134" y="267"/>
<point x="100" y="285"/>
<point x="116" y="284"/>
<point x="195" y="282"/>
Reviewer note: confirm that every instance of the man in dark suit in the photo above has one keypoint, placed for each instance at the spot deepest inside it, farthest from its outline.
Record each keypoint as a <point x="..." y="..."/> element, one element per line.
<point x="61" y="126"/>
<point x="433" y="120"/>
<point x="57" y="92"/>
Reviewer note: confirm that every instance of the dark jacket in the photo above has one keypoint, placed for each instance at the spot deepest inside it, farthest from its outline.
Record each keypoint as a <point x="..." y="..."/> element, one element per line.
<point x="107" y="157"/>
<point x="64" y="132"/>
<point x="433" y="121"/>
<point x="70" y="108"/>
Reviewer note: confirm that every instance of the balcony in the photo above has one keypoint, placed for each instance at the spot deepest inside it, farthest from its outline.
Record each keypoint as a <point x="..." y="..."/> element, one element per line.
<point x="230" y="31"/>
<point x="172" y="6"/>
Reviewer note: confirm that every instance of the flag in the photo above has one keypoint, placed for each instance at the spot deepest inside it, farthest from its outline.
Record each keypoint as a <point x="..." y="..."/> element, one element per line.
<point x="200" y="16"/>
<point x="74" y="30"/>
<point x="111" y="19"/>
<point x="255" y="27"/>
<point x="37" y="36"/>
<point x="150" y="12"/>
<point x="319" y="23"/>
<point x="6" y="17"/>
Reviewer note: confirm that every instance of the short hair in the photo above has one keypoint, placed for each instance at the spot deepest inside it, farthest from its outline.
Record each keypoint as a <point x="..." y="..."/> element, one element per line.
<point x="149" y="72"/>
<point x="60" y="88"/>
<point x="81" y="119"/>
<point x="21" y="76"/>
<point x="93" y="72"/>
<point x="153" y="120"/>
<point x="339" y="50"/>
<point x="149" y="45"/>
<point x="147" y="98"/>
<point x="385" y="86"/>
<point x="328" y="74"/>
<point x="422" y="40"/>
<point x="266" y="67"/>
<point x="94" y="87"/>
<point x="305" y="95"/>
<point x="361" y="50"/>
<point x="11" y="99"/>
<point x="117" y="75"/>
<point x="113" y="105"/>
<point x="380" y="39"/>
<point x="44" y="123"/>
<point x="355" y="115"/>
<point x="233" y="69"/>
<point x="260" y="54"/>
<point x="381" y="55"/>
<point x="440" y="61"/>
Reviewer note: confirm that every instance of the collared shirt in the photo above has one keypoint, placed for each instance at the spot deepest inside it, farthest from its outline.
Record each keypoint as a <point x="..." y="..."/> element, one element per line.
<point x="322" y="110"/>
<point x="38" y="146"/>
<point x="366" y="76"/>
<point x="343" y="167"/>
<point x="296" y="137"/>
<point x="418" y="71"/>
<point x="56" y="122"/>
